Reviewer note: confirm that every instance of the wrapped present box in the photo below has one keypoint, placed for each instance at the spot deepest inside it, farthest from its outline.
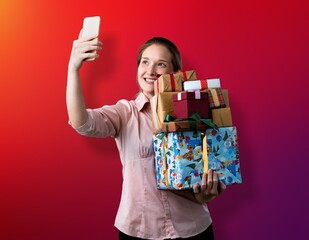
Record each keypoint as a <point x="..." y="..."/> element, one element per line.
<point x="223" y="154"/>
<point x="173" y="82"/>
<point x="161" y="106"/>
<point x="186" y="125"/>
<point x="187" y="103"/>
<point x="222" y="117"/>
<point x="216" y="98"/>
<point x="168" y="83"/>
<point x="178" y="159"/>
<point x="225" y="94"/>
<point x="201" y="84"/>
<point x="187" y="75"/>
<point x="181" y="158"/>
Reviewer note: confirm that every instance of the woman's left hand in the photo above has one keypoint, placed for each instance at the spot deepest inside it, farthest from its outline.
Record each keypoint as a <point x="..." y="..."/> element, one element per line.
<point x="210" y="187"/>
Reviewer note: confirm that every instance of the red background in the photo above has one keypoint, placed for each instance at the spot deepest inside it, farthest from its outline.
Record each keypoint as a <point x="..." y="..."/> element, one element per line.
<point x="55" y="184"/>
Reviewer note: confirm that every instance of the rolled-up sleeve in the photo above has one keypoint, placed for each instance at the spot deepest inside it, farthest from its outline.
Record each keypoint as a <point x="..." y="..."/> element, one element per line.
<point x="105" y="121"/>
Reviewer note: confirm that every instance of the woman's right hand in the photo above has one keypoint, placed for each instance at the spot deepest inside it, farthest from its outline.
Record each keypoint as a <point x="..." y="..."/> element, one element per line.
<point x="84" y="49"/>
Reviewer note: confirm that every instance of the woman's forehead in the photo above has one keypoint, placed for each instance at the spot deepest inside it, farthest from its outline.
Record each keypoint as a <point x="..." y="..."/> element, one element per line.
<point x="157" y="50"/>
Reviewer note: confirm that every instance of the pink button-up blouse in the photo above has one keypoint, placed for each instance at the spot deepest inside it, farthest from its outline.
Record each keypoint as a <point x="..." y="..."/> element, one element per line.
<point x="144" y="211"/>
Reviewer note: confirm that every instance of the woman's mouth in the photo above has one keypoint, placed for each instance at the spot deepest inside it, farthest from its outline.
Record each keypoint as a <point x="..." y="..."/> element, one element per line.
<point x="150" y="80"/>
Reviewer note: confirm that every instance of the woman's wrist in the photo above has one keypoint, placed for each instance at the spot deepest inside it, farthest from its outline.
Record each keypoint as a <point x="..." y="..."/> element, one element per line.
<point x="72" y="69"/>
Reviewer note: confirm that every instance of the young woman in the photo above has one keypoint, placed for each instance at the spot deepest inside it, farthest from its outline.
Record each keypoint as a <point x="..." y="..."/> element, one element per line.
<point x="144" y="211"/>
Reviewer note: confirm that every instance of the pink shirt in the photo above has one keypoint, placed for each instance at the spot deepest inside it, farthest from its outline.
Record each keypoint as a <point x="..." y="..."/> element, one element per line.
<point x="144" y="211"/>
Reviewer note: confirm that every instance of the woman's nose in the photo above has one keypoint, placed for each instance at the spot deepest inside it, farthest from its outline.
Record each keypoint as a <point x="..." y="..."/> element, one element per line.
<point x="151" y="70"/>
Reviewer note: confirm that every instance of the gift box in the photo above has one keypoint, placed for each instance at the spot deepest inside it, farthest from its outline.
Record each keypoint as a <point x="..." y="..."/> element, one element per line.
<point x="187" y="103"/>
<point x="168" y="83"/>
<point x="186" y="125"/>
<point x="223" y="154"/>
<point x="216" y="98"/>
<point x="225" y="97"/>
<point x="178" y="159"/>
<point x="187" y="75"/>
<point x="222" y="117"/>
<point x="201" y="84"/>
<point x="173" y="82"/>
<point x="161" y="106"/>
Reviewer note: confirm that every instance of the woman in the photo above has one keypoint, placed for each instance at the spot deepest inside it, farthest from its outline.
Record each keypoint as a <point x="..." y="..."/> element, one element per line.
<point x="144" y="211"/>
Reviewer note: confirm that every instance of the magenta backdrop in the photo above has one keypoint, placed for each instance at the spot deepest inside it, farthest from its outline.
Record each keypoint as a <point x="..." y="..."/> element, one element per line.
<point x="55" y="184"/>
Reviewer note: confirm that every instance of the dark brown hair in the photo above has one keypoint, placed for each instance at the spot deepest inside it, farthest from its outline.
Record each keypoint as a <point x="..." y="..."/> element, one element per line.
<point x="176" y="57"/>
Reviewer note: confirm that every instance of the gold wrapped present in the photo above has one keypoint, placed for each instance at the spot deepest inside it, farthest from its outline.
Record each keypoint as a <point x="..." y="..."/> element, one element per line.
<point x="222" y="117"/>
<point x="161" y="106"/>
<point x="168" y="83"/>
<point x="173" y="82"/>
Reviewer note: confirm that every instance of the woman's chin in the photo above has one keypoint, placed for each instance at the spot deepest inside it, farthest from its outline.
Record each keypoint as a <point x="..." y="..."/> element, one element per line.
<point x="148" y="94"/>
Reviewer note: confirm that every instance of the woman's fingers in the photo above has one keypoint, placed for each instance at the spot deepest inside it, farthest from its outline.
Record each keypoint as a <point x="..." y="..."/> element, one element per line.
<point x="81" y="47"/>
<point x="92" y="42"/>
<point x="204" y="182"/>
<point x="210" y="182"/>
<point x="83" y="51"/>
<point x="214" y="187"/>
<point x="210" y="187"/>
<point x="196" y="188"/>
<point x="88" y="48"/>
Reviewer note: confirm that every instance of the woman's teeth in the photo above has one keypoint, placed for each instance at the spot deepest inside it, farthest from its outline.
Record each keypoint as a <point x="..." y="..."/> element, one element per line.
<point x="150" y="80"/>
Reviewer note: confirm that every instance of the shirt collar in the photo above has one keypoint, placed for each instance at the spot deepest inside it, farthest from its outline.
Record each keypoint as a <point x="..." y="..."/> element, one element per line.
<point x="141" y="100"/>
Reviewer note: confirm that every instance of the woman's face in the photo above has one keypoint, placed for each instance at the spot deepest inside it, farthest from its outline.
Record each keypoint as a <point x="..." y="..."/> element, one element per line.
<point x="156" y="60"/>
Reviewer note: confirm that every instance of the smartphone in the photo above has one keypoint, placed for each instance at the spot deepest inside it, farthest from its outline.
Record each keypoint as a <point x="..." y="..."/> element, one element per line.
<point x="91" y="26"/>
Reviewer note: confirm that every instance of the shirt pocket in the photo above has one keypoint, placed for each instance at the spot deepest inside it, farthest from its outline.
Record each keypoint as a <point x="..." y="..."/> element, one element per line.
<point x="145" y="149"/>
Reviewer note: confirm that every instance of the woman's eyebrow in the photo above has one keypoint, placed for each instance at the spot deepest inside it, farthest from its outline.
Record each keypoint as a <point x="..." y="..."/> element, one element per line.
<point x="159" y="60"/>
<point x="162" y="60"/>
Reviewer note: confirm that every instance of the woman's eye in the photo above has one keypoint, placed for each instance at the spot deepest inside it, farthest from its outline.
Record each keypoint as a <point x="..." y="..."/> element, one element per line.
<point x="145" y="62"/>
<point x="162" y="65"/>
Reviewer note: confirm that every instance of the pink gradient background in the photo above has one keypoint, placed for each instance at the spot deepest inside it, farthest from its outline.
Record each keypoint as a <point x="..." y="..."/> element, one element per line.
<point x="55" y="184"/>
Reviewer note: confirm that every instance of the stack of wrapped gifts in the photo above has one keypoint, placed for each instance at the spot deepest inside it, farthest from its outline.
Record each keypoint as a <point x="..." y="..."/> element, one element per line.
<point x="193" y="131"/>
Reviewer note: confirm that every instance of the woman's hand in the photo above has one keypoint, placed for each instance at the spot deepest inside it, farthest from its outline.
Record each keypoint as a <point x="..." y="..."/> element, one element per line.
<point x="210" y="187"/>
<point x="84" y="50"/>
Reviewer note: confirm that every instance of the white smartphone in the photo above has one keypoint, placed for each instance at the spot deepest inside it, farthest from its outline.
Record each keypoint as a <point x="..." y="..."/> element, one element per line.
<point x="91" y="26"/>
